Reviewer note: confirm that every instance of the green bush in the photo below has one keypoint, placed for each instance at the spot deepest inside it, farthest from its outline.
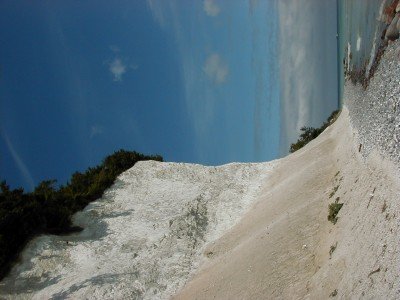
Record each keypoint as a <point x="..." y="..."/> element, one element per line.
<point x="334" y="209"/>
<point x="310" y="133"/>
<point x="49" y="209"/>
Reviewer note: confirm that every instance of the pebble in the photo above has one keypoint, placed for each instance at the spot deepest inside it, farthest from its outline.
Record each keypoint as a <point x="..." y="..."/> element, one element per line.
<point x="392" y="32"/>
<point x="371" y="110"/>
<point x="398" y="24"/>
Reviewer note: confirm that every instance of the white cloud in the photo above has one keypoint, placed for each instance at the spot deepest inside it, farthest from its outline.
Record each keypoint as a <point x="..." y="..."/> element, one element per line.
<point x="19" y="162"/>
<point x="157" y="11"/>
<point x="95" y="130"/>
<point x="117" y="68"/>
<point x="215" y="68"/>
<point x="211" y="8"/>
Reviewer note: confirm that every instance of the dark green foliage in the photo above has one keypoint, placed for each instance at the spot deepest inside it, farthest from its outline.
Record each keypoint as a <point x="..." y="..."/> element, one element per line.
<point x="334" y="209"/>
<point x="310" y="133"/>
<point x="332" y="249"/>
<point x="334" y="191"/>
<point x="49" y="209"/>
<point x="46" y="189"/>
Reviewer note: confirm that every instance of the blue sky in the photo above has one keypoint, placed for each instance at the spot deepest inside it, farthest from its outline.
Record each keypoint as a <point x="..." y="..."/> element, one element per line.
<point x="194" y="81"/>
<point x="227" y="53"/>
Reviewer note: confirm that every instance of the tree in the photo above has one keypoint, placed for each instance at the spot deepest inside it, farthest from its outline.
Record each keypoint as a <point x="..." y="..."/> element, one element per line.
<point x="46" y="189"/>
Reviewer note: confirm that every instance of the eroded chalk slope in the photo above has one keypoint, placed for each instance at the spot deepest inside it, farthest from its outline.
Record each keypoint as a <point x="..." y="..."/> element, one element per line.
<point x="144" y="238"/>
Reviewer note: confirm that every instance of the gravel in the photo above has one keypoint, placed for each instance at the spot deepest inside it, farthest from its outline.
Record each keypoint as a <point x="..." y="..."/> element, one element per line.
<point x="375" y="112"/>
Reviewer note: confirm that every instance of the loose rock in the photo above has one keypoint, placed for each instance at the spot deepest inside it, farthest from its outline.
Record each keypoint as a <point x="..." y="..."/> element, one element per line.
<point x="392" y="32"/>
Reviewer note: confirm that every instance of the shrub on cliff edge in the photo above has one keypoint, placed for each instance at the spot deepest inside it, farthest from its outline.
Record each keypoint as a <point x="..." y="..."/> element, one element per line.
<point x="310" y="133"/>
<point x="49" y="209"/>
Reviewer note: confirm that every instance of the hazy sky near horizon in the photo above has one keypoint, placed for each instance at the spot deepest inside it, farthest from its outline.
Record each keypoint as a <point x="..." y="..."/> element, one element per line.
<point x="207" y="82"/>
<point x="308" y="65"/>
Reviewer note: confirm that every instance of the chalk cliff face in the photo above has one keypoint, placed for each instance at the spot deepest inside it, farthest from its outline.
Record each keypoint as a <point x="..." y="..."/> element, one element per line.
<point x="144" y="238"/>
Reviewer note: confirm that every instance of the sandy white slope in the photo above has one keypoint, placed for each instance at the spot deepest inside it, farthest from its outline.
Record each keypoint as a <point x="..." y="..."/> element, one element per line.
<point x="144" y="238"/>
<point x="285" y="248"/>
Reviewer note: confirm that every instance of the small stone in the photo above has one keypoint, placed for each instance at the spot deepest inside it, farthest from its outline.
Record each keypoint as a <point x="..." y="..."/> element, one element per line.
<point x="398" y="24"/>
<point x="392" y="32"/>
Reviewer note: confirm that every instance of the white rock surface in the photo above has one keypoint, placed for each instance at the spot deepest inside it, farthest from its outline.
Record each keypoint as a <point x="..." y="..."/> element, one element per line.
<point x="144" y="238"/>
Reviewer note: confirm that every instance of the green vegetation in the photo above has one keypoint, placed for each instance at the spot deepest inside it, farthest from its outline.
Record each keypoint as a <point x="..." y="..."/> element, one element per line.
<point x="334" y="293"/>
<point x="310" y="133"/>
<point x="332" y="249"/>
<point x="334" y="209"/>
<point x="384" y="206"/>
<point x="49" y="209"/>
<point x="334" y="191"/>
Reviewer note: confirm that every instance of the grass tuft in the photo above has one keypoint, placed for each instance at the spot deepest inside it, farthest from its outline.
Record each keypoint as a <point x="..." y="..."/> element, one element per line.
<point x="334" y="191"/>
<point x="332" y="249"/>
<point x="334" y="209"/>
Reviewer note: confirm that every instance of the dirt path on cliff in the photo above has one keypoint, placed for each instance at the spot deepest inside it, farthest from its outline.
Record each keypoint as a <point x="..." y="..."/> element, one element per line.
<point x="285" y="247"/>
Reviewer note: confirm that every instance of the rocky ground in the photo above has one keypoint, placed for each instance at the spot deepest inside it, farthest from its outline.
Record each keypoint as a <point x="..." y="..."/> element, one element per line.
<point x="375" y="112"/>
<point x="392" y="31"/>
